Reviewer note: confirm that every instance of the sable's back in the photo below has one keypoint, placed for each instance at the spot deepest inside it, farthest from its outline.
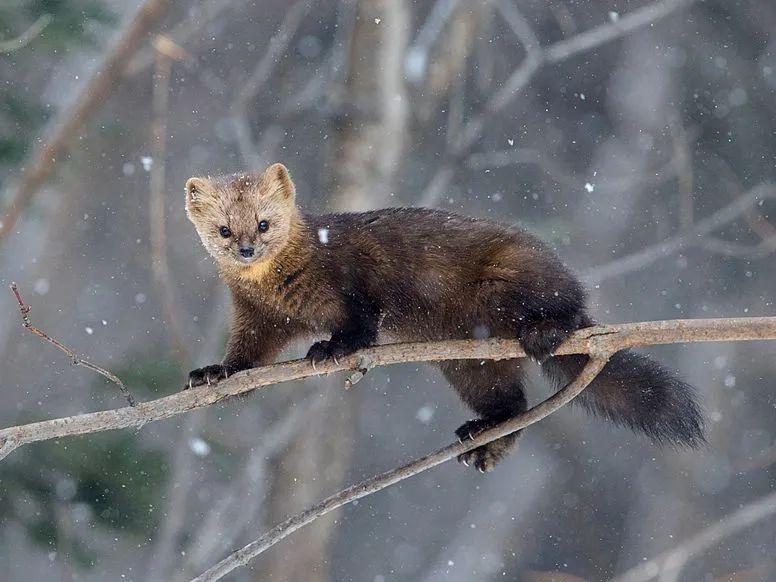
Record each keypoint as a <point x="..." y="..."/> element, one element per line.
<point x="433" y="253"/>
<point x="415" y="229"/>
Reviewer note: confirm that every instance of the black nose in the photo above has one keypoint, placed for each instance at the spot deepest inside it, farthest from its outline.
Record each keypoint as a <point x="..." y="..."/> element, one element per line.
<point x="246" y="252"/>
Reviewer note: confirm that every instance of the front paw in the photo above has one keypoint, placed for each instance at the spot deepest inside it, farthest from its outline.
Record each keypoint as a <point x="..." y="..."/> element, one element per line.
<point x="328" y="350"/>
<point x="207" y="375"/>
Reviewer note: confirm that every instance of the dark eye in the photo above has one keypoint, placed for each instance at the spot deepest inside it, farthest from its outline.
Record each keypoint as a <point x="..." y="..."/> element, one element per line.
<point x="225" y="231"/>
<point x="263" y="226"/>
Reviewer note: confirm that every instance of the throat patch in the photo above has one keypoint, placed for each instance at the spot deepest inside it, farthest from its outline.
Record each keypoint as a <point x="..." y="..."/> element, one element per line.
<point x="256" y="272"/>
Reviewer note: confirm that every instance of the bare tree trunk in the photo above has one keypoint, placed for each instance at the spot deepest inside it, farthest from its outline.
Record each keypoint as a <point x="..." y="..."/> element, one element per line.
<point x="367" y="146"/>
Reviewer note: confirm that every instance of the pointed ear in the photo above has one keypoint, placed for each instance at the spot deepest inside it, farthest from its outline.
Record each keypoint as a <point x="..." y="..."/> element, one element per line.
<point x="277" y="182"/>
<point x="195" y="190"/>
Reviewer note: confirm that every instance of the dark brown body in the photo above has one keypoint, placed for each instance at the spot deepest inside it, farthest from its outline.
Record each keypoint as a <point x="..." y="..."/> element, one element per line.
<point x="418" y="274"/>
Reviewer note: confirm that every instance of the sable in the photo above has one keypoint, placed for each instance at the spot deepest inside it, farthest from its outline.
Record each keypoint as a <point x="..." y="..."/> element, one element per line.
<point x="415" y="274"/>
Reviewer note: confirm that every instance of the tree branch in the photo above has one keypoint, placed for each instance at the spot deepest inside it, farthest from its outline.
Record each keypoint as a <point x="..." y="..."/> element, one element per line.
<point x="606" y="338"/>
<point x="598" y="341"/>
<point x="25" y="38"/>
<point x="374" y="484"/>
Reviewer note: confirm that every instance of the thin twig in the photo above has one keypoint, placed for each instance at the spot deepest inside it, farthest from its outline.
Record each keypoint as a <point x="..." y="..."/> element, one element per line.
<point x="25" y="38"/>
<point x="99" y="88"/>
<point x="671" y="562"/>
<point x="602" y="338"/>
<point x="74" y="358"/>
<point x="374" y="484"/>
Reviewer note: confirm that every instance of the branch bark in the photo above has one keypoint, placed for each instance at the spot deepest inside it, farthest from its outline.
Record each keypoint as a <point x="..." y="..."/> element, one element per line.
<point x="603" y="338"/>
<point x="72" y="119"/>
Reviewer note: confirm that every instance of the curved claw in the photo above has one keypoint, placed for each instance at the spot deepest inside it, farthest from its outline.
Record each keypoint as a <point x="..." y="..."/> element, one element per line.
<point x="207" y="377"/>
<point x="190" y="384"/>
<point x="312" y="361"/>
<point x="336" y="361"/>
<point x="481" y="470"/>
<point x="465" y="462"/>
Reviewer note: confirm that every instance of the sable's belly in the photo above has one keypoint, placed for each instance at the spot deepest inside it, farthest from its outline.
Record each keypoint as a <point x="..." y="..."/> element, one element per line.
<point x="424" y="323"/>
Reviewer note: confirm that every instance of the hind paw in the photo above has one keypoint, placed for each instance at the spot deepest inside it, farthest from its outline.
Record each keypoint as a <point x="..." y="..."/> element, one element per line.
<point x="542" y="339"/>
<point x="486" y="457"/>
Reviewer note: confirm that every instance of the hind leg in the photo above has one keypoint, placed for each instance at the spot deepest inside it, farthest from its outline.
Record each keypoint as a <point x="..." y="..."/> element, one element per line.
<point x="493" y="390"/>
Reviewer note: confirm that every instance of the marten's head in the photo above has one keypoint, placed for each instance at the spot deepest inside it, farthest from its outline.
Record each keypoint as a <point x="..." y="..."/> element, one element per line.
<point x="243" y="219"/>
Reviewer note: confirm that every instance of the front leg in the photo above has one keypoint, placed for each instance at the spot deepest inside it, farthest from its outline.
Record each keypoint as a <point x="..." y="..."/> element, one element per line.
<point x="358" y="330"/>
<point x="252" y="341"/>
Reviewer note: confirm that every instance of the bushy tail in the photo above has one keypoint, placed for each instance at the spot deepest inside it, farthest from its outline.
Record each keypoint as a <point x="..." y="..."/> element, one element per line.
<point x="635" y="391"/>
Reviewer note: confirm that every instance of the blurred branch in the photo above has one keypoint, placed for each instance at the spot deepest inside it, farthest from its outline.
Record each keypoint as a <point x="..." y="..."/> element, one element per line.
<point x="416" y="60"/>
<point x="537" y="57"/>
<point x="682" y="159"/>
<point x="180" y="481"/>
<point x="21" y="41"/>
<point x="70" y="121"/>
<point x="199" y="16"/>
<point x="598" y="338"/>
<point x="377" y="483"/>
<point x="157" y="214"/>
<point x="765" y="459"/>
<point x="74" y="358"/>
<point x="324" y="89"/>
<point x="694" y="236"/>
<point x="258" y="79"/>
<point x="733" y="249"/>
<point x="668" y="565"/>
<point x="585" y="41"/>
<point x="277" y="47"/>
<point x="237" y="508"/>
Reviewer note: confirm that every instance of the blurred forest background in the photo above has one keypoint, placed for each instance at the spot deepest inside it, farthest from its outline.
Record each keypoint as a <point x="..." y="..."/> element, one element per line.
<point x="629" y="134"/>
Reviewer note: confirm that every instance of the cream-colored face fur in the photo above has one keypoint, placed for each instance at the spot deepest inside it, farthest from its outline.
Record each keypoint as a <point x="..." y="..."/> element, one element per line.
<point x="235" y="206"/>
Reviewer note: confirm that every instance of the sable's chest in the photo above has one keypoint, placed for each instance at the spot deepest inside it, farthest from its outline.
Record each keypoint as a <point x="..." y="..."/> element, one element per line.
<point x="301" y="306"/>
